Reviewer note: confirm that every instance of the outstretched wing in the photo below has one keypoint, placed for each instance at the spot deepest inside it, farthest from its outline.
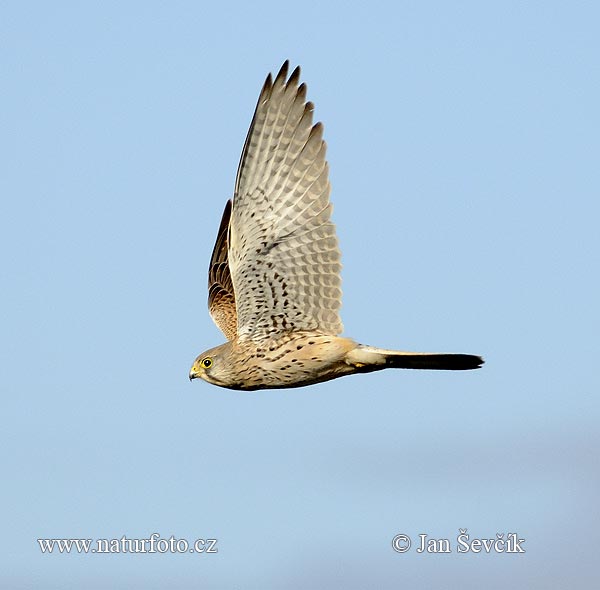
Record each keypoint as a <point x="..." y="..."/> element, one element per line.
<point x="283" y="251"/>
<point x="221" y="295"/>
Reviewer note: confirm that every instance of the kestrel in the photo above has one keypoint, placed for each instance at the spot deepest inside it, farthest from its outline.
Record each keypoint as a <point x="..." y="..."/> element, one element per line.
<point x="274" y="275"/>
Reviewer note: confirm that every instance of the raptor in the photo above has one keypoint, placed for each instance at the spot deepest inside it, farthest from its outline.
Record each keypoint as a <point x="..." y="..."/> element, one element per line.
<point x="274" y="275"/>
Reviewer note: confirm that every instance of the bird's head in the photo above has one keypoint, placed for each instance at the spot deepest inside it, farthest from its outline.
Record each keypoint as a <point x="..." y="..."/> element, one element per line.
<point x="212" y="366"/>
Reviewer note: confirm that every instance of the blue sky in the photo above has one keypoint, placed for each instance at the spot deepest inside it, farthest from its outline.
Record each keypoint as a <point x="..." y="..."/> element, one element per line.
<point x="463" y="146"/>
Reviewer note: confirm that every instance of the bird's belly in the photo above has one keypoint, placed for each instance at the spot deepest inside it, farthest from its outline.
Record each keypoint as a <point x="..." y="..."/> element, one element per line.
<point x="296" y="361"/>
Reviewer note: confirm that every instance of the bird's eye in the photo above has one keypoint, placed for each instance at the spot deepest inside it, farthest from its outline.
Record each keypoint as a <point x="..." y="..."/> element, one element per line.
<point x="207" y="363"/>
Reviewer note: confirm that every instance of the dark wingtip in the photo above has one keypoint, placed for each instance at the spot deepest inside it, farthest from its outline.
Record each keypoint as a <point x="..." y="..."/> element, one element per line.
<point x="295" y="77"/>
<point x="267" y="85"/>
<point x="283" y="72"/>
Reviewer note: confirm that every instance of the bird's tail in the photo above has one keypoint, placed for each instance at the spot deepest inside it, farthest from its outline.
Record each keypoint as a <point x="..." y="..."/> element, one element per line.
<point x="369" y="358"/>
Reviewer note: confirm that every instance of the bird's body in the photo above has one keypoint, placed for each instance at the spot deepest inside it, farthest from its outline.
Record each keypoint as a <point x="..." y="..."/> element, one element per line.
<point x="274" y="275"/>
<point x="290" y="359"/>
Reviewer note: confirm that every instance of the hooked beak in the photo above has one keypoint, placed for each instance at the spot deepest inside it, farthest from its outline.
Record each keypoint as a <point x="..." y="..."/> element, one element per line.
<point x="193" y="374"/>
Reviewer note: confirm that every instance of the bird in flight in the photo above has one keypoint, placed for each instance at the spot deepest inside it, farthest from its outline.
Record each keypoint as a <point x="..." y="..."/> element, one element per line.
<point x="274" y="274"/>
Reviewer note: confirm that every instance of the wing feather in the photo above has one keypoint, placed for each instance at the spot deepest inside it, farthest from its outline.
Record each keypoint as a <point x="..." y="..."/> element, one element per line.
<point x="221" y="294"/>
<point x="283" y="252"/>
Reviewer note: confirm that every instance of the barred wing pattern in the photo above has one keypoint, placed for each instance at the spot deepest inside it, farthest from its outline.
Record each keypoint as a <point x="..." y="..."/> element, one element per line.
<point x="221" y="296"/>
<point x="283" y="252"/>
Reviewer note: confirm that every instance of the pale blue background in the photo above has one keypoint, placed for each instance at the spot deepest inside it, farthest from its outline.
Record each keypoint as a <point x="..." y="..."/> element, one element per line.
<point x="463" y="144"/>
